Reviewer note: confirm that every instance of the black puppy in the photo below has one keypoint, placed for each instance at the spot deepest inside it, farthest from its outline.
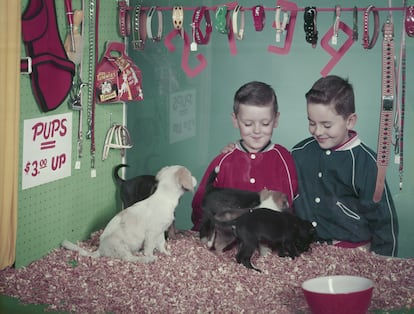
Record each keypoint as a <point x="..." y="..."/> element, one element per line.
<point x="219" y="200"/>
<point x="135" y="189"/>
<point x="288" y="232"/>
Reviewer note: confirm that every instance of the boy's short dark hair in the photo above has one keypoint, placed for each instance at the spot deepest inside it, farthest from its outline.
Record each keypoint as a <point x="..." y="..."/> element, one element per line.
<point x="333" y="90"/>
<point x="255" y="94"/>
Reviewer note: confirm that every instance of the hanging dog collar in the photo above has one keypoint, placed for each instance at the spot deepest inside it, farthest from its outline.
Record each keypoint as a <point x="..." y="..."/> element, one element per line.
<point x="259" y="16"/>
<point x="337" y="19"/>
<point x="150" y="14"/>
<point x="178" y="17"/>
<point x="409" y="21"/>
<point x="387" y="104"/>
<point x="124" y="19"/>
<point x="367" y="43"/>
<point x="355" y="24"/>
<point x="198" y="37"/>
<point x="280" y="26"/>
<point x="239" y="33"/>
<point x="221" y="20"/>
<point x="139" y="32"/>
<point x="310" y="26"/>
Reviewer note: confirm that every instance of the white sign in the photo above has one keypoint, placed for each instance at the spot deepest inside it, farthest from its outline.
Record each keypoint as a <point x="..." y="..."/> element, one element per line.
<point x="182" y="115"/>
<point x="47" y="149"/>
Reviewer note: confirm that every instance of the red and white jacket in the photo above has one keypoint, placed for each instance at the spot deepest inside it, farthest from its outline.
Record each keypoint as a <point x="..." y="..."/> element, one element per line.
<point x="272" y="168"/>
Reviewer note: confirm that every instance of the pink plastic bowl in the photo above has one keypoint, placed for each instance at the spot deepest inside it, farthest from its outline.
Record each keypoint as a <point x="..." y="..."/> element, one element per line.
<point x="338" y="294"/>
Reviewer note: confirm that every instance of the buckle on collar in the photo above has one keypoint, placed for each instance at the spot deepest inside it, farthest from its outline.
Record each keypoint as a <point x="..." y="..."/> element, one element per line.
<point x="26" y="65"/>
<point x="138" y="44"/>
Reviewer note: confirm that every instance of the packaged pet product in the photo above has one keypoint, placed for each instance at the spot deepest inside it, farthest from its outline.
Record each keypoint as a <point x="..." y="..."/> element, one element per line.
<point x="117" y="77"/>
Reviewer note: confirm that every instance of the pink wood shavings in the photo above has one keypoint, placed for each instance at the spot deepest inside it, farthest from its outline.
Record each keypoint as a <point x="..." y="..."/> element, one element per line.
<point x="194" y="279"/>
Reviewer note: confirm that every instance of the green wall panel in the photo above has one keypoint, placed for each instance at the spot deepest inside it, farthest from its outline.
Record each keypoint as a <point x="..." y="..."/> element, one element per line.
<point x="75" y="206"/>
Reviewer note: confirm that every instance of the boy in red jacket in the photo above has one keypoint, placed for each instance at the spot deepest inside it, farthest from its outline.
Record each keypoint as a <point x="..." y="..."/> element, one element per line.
<point x="255" y="163"/>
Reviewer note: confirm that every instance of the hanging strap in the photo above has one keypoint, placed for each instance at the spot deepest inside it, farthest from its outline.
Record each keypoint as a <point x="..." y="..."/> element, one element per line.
<point x="311" y="33"/>
<point x="387" y="104"/>
<point x="368" y="43"/>
<point x="400" y="88"/>
<point x="92" y="61"/>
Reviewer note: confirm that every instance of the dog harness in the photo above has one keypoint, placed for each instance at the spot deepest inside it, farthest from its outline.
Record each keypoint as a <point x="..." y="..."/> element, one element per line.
<point x="117" y="137"/>
<point x="51" y="72"/>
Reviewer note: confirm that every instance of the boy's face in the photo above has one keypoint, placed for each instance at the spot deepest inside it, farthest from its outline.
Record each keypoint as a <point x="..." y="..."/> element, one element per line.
<point x="256" y="125"/>
<point x="327" y="127"/>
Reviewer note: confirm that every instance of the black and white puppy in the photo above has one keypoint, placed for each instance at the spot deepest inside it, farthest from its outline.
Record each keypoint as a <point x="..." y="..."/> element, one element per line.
<point x="219" y="200"/>
<point x="135" y="189"/>
<point x="289" y="233"/>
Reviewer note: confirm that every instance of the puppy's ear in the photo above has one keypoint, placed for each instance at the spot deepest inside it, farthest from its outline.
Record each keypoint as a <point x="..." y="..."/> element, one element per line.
<point x="185" y="179"/>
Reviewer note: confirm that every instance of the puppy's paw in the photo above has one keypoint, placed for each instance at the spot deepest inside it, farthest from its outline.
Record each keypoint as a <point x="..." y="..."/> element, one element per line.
<point x="148" y="259"/>
<point x="264" y="250"/>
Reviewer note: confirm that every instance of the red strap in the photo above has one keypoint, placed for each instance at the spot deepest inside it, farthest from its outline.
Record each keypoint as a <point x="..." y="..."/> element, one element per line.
<point x="124" y="19"/>
<point x="409" y="21"/>
<point x="199" y="14"/>
<point x="367" y="43"/>
<point x="258" y="17"/>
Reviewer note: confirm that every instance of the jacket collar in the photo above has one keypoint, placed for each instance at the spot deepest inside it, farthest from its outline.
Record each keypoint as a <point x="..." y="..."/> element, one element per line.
<point x="240" y="146"/>
<point x="352" y="142"/>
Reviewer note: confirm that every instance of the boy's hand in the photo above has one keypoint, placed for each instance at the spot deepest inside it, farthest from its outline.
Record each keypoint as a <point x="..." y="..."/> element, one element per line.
<point x="227" y="149"/>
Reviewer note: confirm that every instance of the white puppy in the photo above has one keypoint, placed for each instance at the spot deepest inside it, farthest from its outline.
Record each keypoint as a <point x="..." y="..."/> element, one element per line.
<point x="143" y="224"/>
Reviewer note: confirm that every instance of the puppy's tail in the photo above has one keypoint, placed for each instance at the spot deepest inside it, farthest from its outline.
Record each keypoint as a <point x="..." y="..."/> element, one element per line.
<point x="73" y="247"/>
<point x="118" y="179"/>
<point x="210" y="181"/>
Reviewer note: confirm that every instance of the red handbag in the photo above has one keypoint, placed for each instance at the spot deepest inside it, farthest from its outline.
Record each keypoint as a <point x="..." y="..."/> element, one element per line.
<point x="117" y="76"/>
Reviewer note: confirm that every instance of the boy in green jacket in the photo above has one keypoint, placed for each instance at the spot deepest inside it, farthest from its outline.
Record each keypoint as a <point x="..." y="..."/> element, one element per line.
<point x="337" y="174"/>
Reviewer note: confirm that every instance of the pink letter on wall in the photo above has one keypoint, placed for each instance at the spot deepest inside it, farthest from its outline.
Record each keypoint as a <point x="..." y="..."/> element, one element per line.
<point x="290" y="27"/>
<point x="191" y="72"/>
<point x="336" y="54"/>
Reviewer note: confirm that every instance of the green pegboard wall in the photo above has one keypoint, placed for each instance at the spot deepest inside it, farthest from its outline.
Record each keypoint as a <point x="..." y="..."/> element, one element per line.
<point x="75" y="206"/>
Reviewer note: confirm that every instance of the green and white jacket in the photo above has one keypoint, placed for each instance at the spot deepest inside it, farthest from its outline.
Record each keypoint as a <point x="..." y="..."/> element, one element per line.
<point x="336" y="188"/>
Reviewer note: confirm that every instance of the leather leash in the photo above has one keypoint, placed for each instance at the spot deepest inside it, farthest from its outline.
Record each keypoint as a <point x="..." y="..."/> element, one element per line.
<point x="92" y="61"/>
<point x="387" y="104"/>
<point x="400" y="107"/>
